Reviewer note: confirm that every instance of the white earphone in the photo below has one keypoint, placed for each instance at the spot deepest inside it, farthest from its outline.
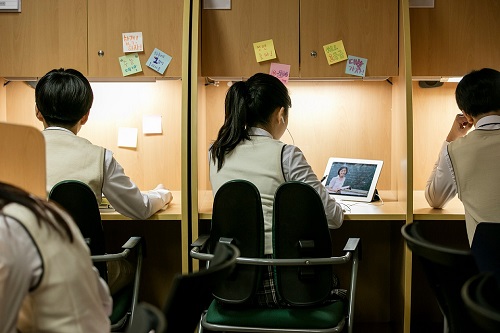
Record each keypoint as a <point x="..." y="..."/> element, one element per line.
<point x="282" y="119"/>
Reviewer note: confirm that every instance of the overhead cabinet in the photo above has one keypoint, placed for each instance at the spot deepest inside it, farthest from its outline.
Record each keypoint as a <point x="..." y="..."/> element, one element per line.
<point x="159" y="21"/>
<point x="454" y="37"/>
<point x="46" y="34"/>
<point x="299" y="29"/>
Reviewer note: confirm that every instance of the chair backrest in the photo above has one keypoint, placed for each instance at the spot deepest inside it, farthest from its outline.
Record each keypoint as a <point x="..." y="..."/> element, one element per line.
<point x="191" y="294"/>
<point x="447" y="269"/>
<point x="301" y="231"/>
<point x="481" y="295"/>
<point x="80" y="202"/>
<point x="485" y="248"/>
<point x="237" y="218"/>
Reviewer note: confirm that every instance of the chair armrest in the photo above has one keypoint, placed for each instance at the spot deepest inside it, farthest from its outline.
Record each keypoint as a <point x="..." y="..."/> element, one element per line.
<point x="201" y="242"/>
<point x="129" y="245"/>
<point x="353" y="245"/>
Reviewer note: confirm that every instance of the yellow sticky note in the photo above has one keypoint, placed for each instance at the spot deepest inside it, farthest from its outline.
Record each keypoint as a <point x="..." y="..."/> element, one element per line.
<point x="130" y="64"/>
<point x="264" y="50"/>
<point x="335" y="52"/>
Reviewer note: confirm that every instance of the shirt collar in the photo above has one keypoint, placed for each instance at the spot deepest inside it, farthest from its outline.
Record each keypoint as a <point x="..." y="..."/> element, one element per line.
<point x="259" y="132"/>
<point x="489" y="122"/>
<point x="54" y="128"/>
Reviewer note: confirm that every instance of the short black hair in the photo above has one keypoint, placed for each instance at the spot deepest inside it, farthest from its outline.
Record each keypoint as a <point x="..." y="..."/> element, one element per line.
<point x="479" y="92"/>
<point x="63" y="96"/>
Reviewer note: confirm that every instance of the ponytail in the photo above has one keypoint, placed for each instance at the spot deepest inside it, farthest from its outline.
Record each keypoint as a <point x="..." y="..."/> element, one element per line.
<point x="234" y="129"/>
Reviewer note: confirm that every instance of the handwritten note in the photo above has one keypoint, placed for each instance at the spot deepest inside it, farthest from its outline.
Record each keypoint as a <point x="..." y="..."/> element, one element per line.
<point x="281" y="71"/>
<point x="158" y="61"/>
<point x="130" y="64"/>
<point x="132" y="42"/>
<point x="264" y="50"/>
<point x="127" y="137"/>
<point x="356" y="66"/>
<point x="335" y="52"/>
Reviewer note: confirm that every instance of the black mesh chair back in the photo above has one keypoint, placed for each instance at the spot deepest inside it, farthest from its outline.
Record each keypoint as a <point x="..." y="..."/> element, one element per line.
<point x="447" y="269"/>
<point x="486" y="248"/>
<point x="79" y="201"/>
<point x="481" y="295"/>
<point x="237" y="219"/>
<point x="301" y="231"/>
<point x="191" y="294"/>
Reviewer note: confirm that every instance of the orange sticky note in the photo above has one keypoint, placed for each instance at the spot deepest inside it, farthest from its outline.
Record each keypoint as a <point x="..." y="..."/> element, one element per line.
<point x="335" y="52"/>
<point x="264" y="50"/>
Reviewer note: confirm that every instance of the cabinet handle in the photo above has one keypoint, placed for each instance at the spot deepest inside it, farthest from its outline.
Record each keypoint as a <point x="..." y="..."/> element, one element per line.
<point x="100" y="53"/>
<point x="314" y="54"/>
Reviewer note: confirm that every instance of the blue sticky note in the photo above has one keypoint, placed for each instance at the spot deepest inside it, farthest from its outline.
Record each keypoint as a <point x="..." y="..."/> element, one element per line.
<point x="356" y="66"/>
<point x="158" y="61"/>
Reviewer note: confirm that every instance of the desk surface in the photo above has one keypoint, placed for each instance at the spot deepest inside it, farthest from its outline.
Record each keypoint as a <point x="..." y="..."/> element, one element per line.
<point x="171" y="212"/>
<point x="388" y="209"/>
<point x="454" y="210"/>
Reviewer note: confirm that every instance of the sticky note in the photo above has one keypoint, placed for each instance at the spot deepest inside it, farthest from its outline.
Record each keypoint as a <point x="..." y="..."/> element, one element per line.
<point x="356" y="66"/>
<point x="264" y="50"/>
<point x="151" y="124"/>
<point x="130" y="64"/>
<point x="127" y="137"/>
<point x="158" y="61"/>
<point x="132" y="42"/>
<point x="335" y="52"/>
<point x="281" y="71"/>
<point x="216" y="4"/>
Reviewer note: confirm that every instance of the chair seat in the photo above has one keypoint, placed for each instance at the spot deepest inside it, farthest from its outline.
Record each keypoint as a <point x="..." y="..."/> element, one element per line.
<point x="317" y="317"/>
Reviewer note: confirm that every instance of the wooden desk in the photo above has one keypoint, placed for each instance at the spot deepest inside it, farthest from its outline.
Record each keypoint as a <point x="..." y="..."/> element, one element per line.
<point x="454" y="210"/>
<point x="387" y="210"/>
<point x="171" y="212"/>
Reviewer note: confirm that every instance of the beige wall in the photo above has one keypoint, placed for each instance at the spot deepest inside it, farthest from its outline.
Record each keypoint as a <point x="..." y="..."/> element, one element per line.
<point x="157" y="156"/>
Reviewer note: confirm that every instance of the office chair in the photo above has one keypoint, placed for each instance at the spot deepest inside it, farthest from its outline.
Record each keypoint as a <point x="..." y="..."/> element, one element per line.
<point x="447" y="269"/>
<point x="189" y="295"/>
<point x="237" y="207"/>
<point x="79" y="201"/>
<point x="485" y="248"/>
<point x="481" y="296"/>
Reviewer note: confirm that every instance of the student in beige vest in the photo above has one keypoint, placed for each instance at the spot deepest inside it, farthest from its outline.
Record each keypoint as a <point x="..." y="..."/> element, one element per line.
<point x="63" y="101"/>
<point x="468" y="163"/>
<point x="248" y="147"/>
<point x="47" y="280"/>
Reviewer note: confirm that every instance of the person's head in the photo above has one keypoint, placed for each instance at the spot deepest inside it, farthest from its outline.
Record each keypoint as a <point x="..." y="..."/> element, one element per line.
<point x="261" y="101"/>
<point x="45" y="211"/>
<point x="63" y="98"/>
<point x="478" y="92"/>
<point x="342" y="171"/>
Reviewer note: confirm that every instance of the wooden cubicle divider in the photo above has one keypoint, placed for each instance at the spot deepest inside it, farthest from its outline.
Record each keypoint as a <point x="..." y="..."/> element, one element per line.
<point x="23" y="158"/>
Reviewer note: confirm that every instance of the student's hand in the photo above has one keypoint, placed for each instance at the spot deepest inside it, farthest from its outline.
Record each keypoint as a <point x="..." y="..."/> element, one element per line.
<point x="459" y="128"/>
<point x="166" y="195"/>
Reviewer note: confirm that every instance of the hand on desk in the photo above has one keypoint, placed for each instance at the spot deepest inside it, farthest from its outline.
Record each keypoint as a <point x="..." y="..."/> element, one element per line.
<point x="166" y="195"/>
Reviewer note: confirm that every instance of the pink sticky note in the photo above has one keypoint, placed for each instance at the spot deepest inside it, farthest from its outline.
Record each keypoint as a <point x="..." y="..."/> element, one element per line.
<point x="281" y="71"/>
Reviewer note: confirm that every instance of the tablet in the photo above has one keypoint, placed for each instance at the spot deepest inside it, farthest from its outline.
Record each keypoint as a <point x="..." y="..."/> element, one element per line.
<point x="352" y="179"/>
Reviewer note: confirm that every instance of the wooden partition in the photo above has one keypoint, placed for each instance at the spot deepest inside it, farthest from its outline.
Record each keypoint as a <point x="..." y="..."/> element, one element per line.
<point x="23" y="158"/>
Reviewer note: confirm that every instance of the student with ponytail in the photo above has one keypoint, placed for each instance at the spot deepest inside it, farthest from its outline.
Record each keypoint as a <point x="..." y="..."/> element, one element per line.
<point x="248" y="147"/>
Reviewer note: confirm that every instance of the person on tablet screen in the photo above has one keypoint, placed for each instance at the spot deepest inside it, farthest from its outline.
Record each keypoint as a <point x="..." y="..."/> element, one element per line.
<point x="336" y="184"/>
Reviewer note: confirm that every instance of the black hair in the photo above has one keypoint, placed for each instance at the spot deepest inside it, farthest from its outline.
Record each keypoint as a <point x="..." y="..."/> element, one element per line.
<point x="343" y="167"/>
<point x="479" y="92"/>
<point x="45" y="211"/>
<point x="248" y="103"/>
<point x="63" y="97"/>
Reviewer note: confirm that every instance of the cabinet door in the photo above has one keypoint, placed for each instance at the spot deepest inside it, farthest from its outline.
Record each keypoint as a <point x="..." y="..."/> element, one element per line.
<point x="47" y="34"/>
<point x="455" y="37"/>
<point x="228" y="36"/>
<point x="367" y="28"/>
<point x="161" y="24"/>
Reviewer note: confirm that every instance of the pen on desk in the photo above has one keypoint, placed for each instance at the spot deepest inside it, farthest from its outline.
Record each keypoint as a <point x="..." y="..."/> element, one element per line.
<point x="324" y="177"/>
